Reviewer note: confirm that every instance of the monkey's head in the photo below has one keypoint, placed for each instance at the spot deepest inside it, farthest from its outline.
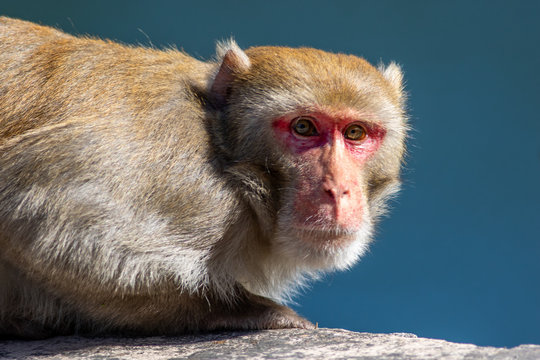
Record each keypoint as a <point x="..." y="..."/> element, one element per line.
<point x="328" y="132"/>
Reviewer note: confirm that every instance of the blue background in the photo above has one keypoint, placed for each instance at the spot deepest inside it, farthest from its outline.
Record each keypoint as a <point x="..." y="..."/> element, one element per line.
<point x="459" y="257"/>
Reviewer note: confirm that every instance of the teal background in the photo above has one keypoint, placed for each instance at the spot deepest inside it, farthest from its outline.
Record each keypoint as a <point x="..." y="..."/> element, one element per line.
<point x="459" y="257"/>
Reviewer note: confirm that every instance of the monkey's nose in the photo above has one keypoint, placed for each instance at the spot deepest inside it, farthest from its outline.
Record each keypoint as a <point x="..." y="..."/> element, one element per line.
<point x="336" y="192"/>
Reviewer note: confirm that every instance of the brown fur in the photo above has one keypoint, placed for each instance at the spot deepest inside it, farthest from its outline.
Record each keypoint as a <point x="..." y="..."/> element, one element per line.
<point x="140" y="191"/>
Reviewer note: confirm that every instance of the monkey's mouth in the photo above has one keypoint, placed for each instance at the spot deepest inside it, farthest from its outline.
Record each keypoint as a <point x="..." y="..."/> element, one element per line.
<point x="333" y="236"/>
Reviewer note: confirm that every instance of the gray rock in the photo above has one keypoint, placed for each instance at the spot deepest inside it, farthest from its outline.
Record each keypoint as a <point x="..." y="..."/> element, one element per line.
<point x="270" y="344"/>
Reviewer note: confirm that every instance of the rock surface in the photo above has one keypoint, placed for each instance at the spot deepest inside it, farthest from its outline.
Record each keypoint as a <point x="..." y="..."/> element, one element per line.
<point x="270" y="344"/>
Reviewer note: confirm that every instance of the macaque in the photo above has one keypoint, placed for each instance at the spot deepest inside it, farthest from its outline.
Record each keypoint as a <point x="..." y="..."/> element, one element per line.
<point x="145" y="192"/>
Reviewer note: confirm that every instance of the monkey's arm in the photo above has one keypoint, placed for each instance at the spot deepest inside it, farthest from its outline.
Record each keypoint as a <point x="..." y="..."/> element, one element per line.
<point x="89" y="248"/>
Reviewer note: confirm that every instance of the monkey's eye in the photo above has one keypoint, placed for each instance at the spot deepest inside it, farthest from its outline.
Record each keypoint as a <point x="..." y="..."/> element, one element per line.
<point x="355" y="132"/>
<point x="304" y="126"/>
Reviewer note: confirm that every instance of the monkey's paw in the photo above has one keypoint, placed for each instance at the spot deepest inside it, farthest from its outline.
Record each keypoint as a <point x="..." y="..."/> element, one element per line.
<point x="284" y="318"/>
<point x="257" y="313"/>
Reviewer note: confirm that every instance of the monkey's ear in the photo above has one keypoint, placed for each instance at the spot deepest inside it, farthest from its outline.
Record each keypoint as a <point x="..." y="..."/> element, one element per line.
<point x="233" y="62"/>
<point x="392" y="73"/>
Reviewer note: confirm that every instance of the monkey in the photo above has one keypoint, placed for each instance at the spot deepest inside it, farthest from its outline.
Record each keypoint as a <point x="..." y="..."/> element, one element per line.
<point x="146" y="192"/>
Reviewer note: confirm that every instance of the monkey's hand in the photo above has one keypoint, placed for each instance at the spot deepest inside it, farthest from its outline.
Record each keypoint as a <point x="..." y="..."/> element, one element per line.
<point x="252" y="312"/>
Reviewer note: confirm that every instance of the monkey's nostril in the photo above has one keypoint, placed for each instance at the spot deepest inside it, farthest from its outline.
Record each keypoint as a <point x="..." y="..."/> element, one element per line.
<point x="330" y="192"/>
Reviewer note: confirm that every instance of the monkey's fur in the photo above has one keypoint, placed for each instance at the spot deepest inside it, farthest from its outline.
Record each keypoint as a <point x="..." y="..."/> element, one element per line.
<point x="141" y="191"/>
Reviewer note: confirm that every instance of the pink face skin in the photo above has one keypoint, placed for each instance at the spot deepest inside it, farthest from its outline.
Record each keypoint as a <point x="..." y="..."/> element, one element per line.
<point x="329" y="195"/>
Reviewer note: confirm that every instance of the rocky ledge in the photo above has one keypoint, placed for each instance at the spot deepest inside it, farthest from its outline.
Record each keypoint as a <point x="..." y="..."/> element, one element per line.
<point x="270" y="344"/>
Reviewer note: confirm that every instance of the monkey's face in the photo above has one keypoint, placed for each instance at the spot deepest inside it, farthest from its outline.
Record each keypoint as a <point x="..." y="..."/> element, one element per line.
<point x="332" y="127"/>
<point x="329" y="212"/>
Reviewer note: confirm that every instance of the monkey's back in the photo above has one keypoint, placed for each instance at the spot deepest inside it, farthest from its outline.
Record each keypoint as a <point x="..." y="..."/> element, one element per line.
<point x="47" y="76"/>
<point x="118" y="107"/>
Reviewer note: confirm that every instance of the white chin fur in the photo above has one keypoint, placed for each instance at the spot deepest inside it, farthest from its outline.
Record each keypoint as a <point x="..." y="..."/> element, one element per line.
<point x="293" y="261"/>
<point x="312" y="255"/>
